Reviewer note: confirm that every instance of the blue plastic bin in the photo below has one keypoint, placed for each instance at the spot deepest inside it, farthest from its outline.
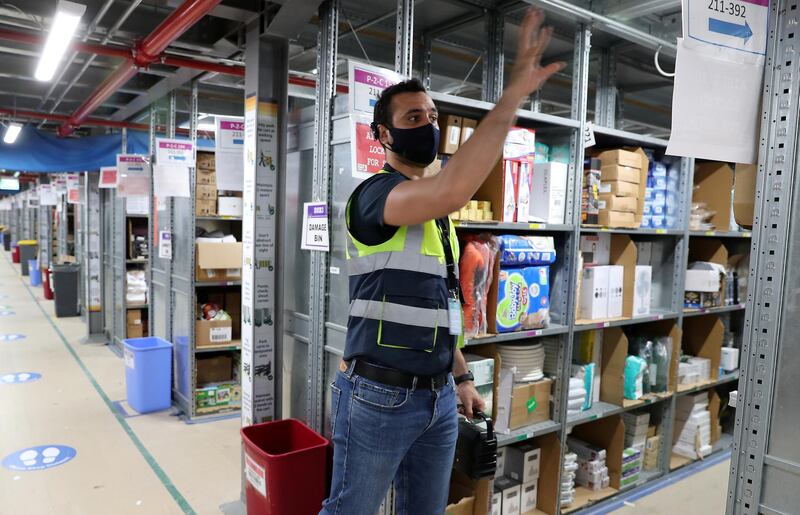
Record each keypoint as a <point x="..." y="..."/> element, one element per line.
<point x="148" y="373"/>
<point x="34" y="273"/>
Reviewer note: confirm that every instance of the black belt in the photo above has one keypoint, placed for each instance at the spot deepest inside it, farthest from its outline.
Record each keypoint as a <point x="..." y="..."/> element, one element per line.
<point x="392" y="377"/>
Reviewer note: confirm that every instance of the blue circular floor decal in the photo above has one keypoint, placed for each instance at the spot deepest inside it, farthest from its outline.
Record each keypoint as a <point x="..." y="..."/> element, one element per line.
<point x="39" y="458"/>
<point x="6" y="313"/>
<point x="11" y="337"/>
<point x="19" y="377"/>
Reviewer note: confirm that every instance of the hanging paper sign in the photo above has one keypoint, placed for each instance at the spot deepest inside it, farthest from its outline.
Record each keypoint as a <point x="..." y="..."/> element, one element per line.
<point x="366" y="85"/>
<point x="73" y="196"/>
<point x="133" y="175"/>
<point x="108" y="177"/>
<point x="741" y="25"/>
<point x="174" y="151"/>
<point x="230" y="133"/>
<point x="315" y="227"/>
<point x="60" y="184"/>
<point x="73" y="180"/>
<point x="368" y="154"/>
<point x="47" y="195"/>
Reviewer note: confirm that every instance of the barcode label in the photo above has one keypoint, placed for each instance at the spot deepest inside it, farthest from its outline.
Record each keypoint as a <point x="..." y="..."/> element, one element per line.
<point x="220" y="334"/>
<point x="256" y="475"/>
<point x="130" y="361"/>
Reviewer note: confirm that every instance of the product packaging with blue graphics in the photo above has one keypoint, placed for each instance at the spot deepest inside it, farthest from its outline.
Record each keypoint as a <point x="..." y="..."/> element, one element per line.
<point x="19" y="377"/>
<point x="523" y="298"/>
<point x="526" y="250"/>
<point x="40" y="457"/>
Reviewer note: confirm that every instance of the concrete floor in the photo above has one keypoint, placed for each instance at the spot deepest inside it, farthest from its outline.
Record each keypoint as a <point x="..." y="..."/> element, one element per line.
<point x="144" y="464"/>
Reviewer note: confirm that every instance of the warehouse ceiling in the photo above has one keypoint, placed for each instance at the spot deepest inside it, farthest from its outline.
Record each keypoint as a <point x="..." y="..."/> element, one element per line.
<point x="366" y="33"/>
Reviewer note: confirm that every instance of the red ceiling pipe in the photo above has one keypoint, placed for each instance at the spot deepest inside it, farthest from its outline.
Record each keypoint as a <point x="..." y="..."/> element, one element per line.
<point x="64" y="118"/>
<point x="146" y="52"/>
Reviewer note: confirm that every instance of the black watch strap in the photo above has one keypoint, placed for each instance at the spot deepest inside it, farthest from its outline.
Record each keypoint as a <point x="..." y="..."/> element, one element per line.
<point x="464" y="377"/>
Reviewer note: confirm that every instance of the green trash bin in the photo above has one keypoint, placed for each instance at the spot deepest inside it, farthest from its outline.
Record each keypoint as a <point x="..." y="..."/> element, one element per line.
<point x="27" y="252"/>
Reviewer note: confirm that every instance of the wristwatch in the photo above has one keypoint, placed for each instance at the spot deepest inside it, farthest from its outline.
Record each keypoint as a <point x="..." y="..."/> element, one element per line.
<point x="464" y="378"/>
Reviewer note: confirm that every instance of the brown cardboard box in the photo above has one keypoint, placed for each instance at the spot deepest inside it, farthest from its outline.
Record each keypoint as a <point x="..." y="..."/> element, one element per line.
<point x="205" y="177"/>
<point x="480" y="491"/>
<point x="493" y="190"/>
<point x="744" y="194"/>
<point x="233" y="305"/>
<point x="209" y="333"/>
<point x="614" y="203"/>
<point x="620" y="189"/>
<point x="219" y="261"/>
<point x="450" y="126"/>
<point x="608" y="218"/>
<point x="623" y="157"/>
<point x="206" y="192"/>
<point x="703" y="338"/>
<point x="608" y="434"/>
<point x="623" y="253"/>
<point x="206" y="161"/>
<point x="205" y="207"/>
<point x="611" y="173"/>
<point x="464" y="506"/>
<point x="634" y="158"/>
<point x="134" y="317"/>
<point x="134" y="330"/>
<point x="217" y="369"/>
<point x="713" y="182"/>
<point x="468" y="126"/>
<point x="714" y="402"/>
<point x="530" y="403"/>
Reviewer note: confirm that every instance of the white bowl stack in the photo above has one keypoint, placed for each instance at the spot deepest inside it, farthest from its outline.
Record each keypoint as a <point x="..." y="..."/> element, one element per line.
<point x="528" y="360"/>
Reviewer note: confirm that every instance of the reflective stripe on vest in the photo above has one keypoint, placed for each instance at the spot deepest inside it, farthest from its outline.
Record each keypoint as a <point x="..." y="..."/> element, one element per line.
<point x="399" y="313"/>
<point x="409" y="257"/>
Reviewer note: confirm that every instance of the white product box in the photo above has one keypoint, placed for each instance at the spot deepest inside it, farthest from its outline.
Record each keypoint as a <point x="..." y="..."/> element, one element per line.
<point x="530" y="493"/>
<point x="509" y="192"/>
<point x="642" y="288"/>
<point x="594" y="293"/>
<point x="524" y="191"/>
<point x="497" y="504"/>
<point x="483" y="370"/>
<point x="503" y="400"/>
<point x="548" y="193"/>
<point x="500" y="470"/>
<point x="596" y="249"/>
<point x="229" y="206"/>
<point x="729" y="359"/>
<point x="511" y="493"/>
<point x="616" y="283"/>
<point x="522" y="463"/>
<point x="702" y="280"/>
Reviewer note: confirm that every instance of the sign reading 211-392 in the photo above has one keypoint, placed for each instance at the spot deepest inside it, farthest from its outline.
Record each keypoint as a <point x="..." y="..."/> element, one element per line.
<point x="741" y="25"/>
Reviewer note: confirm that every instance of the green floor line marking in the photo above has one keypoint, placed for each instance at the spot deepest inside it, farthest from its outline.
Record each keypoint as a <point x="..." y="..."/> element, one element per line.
<point x="151" y="461"/>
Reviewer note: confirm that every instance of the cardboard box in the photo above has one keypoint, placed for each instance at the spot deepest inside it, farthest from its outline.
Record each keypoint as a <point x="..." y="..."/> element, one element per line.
<point x="530" y="403"/>
<point x="206" y="161"/>
<point x="229" y="206"/>
<point x="609" y="434"/>
<point x="616" y="286"/>
<point x="209" y="333"/>
<point x="500" y="470"/>
<point x="214" y="396"/>
<point x="613" y="203"/>
<point x="548" y="193"/>
<point x="744" y="194"/>
<point x="206" y="192"/>
<point x="729" y="359"/>
<point x="205" y="177"/>
<point x="712" y="184"/>
<point x="214" y="369"/>
<point x="218" y="261"/>
<point x="500" y="189"/>
<point x="480" y="491"/>
<point x="205" y="207"/>
<point x="608" y="218"/>
<point x="450" y="126"/>
<point x="612" y="173"/>
<point x="642" y="290"/>
<point x="522" y="462"/>
<point x="468" y="126"/>
<point x="511" y="494"/>
<point x="620" y="189"/>
<point x="593" y="300"/>
<point x="703" y="281"/>
<point x="134" y="330"/>
<point x="466" y="506"/>
<point x="622" y="157"/>
<point x="623" y="253"/>
<point x="529" y="498"/>
<point x="497" y="503"/>
<point x="596" y="249"/>
<point x="703" y="338"/>
<point x="133" y="317"/>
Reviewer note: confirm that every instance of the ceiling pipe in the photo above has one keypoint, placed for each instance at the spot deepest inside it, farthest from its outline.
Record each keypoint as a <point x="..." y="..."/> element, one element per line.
<point x="146" y="53"/>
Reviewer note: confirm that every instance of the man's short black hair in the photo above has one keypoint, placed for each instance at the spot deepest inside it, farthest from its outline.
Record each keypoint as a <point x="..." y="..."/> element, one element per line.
<point x="383" y="107"/>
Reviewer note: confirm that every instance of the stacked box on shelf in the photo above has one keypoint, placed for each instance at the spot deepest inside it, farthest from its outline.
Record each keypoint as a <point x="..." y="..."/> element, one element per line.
<point x="651" y="450"/>
<point x="592" y="471"/>
<point x="590" y="194"/>
<point x="522" y="464"/>
<point x="662" y="199"/>
<point x="623" y="176"/>
<point x="636" y="427"/>
<point x="568" y="476"/>
<point x="608" y="279"/>
<point x="632" y="459"/>
<point x="692" y="435"/>
<point x="205" y="185"/>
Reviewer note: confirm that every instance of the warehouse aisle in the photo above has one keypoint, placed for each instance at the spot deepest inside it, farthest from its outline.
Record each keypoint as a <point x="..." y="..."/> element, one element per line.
<point x="140" y="464"/>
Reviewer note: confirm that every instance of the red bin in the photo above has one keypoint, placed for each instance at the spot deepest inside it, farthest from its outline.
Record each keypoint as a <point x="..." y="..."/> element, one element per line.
<point x="15" y="254"/>
<point x="286" y="466"/>
<point x="48" y="291"/>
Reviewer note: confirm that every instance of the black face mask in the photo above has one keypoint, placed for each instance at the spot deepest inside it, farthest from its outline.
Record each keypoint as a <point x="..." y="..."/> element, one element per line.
<point x="418" y="146"/>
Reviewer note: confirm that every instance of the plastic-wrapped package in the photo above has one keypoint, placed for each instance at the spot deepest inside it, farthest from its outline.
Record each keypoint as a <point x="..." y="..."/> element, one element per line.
<point x="662" y="355"/>
<point x="211" y="311"/>
<point x="634" y="373"/>
<point x="643" y="348"/>
<point x="518" y="250"/>
<point x="135" y="287"/>
<point x="475" y="271"/>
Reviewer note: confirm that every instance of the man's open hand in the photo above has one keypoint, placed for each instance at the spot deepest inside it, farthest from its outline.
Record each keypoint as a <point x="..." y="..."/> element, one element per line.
<point x="527" y="75"/>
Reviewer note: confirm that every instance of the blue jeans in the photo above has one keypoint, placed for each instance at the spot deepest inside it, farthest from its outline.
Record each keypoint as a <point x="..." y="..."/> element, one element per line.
<point x="382" y="434"/>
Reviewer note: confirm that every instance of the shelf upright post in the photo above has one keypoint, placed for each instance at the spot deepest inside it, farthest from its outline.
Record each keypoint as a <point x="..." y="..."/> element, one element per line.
<point x="404" y="38"/>
<point x="494" y="56"/>
<point x="765" y="463"/>
<point x="327" y="44"/>
<point x="151" y="226"/>
<point x="606" y="96"/>
<point x="427" y="53"/>
<point x="265" y="137"/>
<point x="189" y="283"/>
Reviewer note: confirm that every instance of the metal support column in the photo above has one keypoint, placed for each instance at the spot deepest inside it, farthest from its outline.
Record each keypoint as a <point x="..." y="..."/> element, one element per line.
<point x="318" y="283"/>
<point x="265" y="143"/>
<point x="151" y="223"/>
<point x="493" y="57"/>
<point x="606" y="94"/>
<point x="92" y="299"/>
<point x="765" y="464"/>
<point x="404" y="38"/>
<point x="427" y="53"/>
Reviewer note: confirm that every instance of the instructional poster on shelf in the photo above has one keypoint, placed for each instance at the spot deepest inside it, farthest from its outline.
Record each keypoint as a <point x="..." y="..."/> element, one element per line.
<point x="258" y="255"/>
<point x="93" y="292"/>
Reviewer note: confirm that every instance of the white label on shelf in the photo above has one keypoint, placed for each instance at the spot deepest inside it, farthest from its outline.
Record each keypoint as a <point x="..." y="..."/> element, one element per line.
<point x="130" y="361"/>
<point x="220" y="334"/>
<point x="334" y="270"/>
<point x="165" y="245"/>
<point x="588" y="135"/>
<point x="315" y="227"/>
<point x="256" y="475"/>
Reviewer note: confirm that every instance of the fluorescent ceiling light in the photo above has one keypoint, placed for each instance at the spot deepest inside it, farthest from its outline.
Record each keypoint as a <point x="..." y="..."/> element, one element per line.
<point x="65" y="23"/>
<point x="7" y="183"/>
<point x="16" y="174"/>
<point x="12" y="132"/>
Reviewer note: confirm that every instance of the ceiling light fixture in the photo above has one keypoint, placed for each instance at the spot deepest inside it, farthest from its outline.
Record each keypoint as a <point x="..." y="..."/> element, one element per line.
<point x="12" y="132"/>
<point x="65" y="23"/>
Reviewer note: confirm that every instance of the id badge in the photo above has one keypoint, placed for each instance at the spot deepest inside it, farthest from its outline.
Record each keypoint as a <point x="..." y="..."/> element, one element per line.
<point x="454" y="315"/>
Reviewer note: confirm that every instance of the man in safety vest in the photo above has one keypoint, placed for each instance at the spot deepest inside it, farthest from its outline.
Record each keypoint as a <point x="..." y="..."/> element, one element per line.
<point x="393" y="403"/>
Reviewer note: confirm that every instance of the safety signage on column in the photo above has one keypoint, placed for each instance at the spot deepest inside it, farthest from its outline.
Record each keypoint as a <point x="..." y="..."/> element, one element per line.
<point x="258" y="267"/>
<point x="366" y="85"/>
<point x="741" y="25"/>
<point x="93" y="292"/>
